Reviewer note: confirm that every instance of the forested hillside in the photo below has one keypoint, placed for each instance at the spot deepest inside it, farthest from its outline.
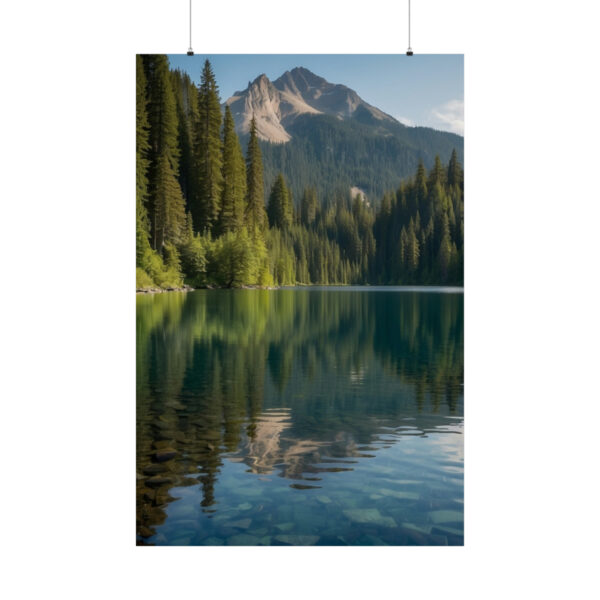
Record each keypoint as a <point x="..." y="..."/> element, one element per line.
<point x="333" y="155"/>
<point x="201" y="216"/>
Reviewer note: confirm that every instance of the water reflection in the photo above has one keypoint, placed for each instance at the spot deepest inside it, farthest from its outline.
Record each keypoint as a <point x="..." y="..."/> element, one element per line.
<point x="295" y="384"/>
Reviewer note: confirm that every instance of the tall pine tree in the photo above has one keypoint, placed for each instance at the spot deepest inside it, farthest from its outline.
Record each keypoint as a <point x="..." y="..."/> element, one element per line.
<point x="205" y="209"/>
<point x="142" y="146"/>
<point x="255" y="191"/>
<point x="454" y="170"/>
<point x="166" y="206"/>
<point x="308" y="207"/>
<point x="231" y="216"/>
<point x="186" y="96"/>
<point x="280" y="211"/>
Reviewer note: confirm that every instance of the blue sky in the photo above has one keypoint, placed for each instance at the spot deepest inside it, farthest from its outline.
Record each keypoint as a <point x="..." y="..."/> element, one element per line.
<point x="426" y="89"/>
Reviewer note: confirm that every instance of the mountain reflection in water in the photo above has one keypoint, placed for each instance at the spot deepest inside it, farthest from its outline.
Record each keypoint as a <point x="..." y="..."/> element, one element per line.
<point x="241" y="391"/>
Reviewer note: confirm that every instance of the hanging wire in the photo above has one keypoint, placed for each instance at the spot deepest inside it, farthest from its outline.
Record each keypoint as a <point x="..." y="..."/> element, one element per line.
<point x="190" y="52"/>
<point x="409" y="52"/>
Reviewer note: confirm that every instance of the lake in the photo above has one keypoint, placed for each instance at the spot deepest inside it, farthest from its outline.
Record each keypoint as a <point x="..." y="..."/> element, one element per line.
<point x="300" y="416"/>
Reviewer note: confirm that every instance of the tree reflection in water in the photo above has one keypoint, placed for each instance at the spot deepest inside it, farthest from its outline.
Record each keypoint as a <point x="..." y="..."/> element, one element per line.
<point x="294" y="382"/>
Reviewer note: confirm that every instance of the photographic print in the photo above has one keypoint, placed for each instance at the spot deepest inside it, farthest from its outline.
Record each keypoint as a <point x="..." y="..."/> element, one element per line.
<point x="299" y="306"/>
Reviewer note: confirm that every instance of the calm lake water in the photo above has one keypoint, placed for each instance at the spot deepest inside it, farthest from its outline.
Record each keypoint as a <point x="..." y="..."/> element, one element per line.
<point x="301" y="416"/>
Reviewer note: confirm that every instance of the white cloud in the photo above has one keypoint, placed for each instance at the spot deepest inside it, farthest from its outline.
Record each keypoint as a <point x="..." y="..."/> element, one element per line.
<point x="451" y="116"/>
<point x="406" y="121"/>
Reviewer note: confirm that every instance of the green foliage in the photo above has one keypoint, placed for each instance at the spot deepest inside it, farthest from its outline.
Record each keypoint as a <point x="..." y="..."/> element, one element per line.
<point x="161" y="275"/>
<point x="142" y="147"/>
<point x="208" y="152"/>
<point x="308" y="207"/>
<point x="233" y="195"/>
<point x="194" y="259"/>
<point x="409" y="251"/>
<point x="280" y="210"/>
<point x="165" y="202"/>
<point x="255" y="203"/>
<point x="235" y="259"/>
<point x="186" y="97"/>
<point x="169" y="207"/>
<point x="143" y="281"/>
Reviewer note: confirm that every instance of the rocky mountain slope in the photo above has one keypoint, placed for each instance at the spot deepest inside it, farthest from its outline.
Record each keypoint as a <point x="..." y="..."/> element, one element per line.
<point x="276" y="105"/>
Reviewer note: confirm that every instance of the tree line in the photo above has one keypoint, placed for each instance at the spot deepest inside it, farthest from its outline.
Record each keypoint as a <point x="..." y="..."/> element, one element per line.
<point x="201" y="216"/>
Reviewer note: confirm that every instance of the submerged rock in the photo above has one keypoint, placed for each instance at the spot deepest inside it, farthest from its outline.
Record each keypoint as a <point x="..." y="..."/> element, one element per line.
<point x="426" y="529"/>
<point x="446" y="516"/>
<point x="401" y="495"/>
<point x="285" y="526"/>
<point x="241" y="524"/>
<point x="444" y="530"/>
<point x="369" y="515"/>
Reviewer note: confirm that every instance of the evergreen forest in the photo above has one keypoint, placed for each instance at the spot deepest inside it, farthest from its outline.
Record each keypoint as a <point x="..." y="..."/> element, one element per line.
<point x="202" y="219"/>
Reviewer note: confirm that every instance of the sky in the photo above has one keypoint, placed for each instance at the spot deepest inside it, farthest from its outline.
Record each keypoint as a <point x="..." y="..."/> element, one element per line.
<point x="426" y="89"/>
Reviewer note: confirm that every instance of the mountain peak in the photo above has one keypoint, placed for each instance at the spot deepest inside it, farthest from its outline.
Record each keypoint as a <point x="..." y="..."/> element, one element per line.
<point x="276" y="105"/>
<point x="307" y="74"/>
<point x="262" y="78"/>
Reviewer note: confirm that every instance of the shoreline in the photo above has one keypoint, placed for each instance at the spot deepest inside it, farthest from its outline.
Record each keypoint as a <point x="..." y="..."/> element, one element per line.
<point x="187" y="288"/>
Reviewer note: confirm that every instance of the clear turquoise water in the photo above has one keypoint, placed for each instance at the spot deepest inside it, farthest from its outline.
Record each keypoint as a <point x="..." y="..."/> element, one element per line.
<point x="319" y="416"/>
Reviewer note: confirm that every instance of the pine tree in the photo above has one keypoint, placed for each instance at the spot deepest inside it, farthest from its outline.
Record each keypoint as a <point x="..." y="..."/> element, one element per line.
<point x="142" y="224"/>
<point x="420" y="188"/>
<point x="255" y="192"/>
<point x="169" y="209"/>
<point x="308" y="207"/>
<point x="413" y="250"/>
<point x="279" y="210"/>
<point x="234" y="178"/>
<point x="454" y="170"/>
<point x="165" y="206"/>
<point x="208" y="152"/>
<point x="401" y="255"/>
<point x="186" y="97"/>
<point x="445" y="251"/>
<point x="437" y="173"/>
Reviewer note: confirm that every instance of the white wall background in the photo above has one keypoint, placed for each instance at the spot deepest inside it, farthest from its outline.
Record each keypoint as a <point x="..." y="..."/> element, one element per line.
<point x="68" y="332"/>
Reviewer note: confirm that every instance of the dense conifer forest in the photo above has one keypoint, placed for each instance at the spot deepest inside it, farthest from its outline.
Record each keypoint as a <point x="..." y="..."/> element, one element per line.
<point x="201" y="217"/>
